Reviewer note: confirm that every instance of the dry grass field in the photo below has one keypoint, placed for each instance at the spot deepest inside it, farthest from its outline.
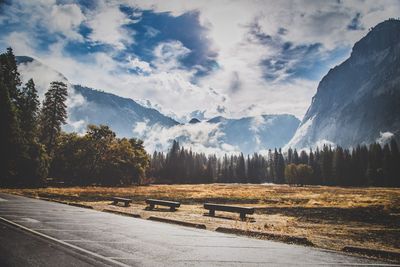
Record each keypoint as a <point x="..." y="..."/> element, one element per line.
<point x="330" y="217"/>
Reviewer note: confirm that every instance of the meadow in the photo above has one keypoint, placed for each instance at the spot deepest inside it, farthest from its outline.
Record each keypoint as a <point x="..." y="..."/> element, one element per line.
<point x="330" y="217"/>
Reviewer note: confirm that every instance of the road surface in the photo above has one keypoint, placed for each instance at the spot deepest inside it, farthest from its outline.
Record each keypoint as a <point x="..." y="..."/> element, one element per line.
<point x="40" y="233"/>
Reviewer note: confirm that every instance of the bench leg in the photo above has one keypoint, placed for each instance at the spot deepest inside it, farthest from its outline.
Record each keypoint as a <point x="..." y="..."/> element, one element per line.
<point x="172" y="208"/>
<point x="243" y="216"/>
<point x="115" y="202"/>
<point x="126" y="204"/>
<point x="151" y="206"/>
<point x="212" y="213"/>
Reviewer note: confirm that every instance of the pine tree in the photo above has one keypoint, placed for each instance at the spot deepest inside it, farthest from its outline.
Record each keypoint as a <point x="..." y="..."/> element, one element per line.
<point x="303" y="157"/>
<point x="9" y="75"/>
<point x="29" y="108"/>
<point x="338" y="167"/>
<point x="295" y="159"/>
<point x="312" y="164"/>
<point x="35" y="161"/>
<point x="9" y="138"/>
<point x="53" y="115"/>
<point x="11" y="145"/>
<point x="394" y="163"/>
<point x="326" y="165"/>
<point x="290" y="156"/>
<point x="241" y="169"/>
<point x="386" y="165"/>
<point x="280" y="168"/>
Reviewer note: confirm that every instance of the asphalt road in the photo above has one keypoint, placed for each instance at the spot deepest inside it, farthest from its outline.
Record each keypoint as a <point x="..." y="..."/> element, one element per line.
<point x="41" y="233"/>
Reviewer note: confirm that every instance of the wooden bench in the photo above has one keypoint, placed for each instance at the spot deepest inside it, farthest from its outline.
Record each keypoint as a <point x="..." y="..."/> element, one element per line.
<point x="120" y="199"/>
<point x="242" y="210"/>
<point x="171" y="204"/>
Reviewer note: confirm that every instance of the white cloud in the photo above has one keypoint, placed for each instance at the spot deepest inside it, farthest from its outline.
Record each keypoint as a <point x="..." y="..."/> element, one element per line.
<point x="21" y="43"/>
<point x="106" y="23"/>
<point x="306" y="22"/>
<point x="201" y="137"/>
<point x="79" y="126"/>
<point x="43" y="75"/>
<point x="384" y="137"/>
<point x="168" y="55"/>
<point x="66" y="19"/>
<point x="135" y="63"/>
<point x="170" y="87"/>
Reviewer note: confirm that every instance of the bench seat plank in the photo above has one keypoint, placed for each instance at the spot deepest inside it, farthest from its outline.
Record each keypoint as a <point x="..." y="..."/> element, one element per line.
<point x="242" y="210"/>
<point x="126" y="201"/>
<point x="172" y="204"/>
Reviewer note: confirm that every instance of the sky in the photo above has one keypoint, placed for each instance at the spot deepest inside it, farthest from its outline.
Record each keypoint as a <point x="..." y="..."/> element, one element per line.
<point x="194" y="58"/>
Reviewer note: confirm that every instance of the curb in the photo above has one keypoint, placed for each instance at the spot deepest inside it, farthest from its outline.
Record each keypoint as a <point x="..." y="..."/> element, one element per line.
<point x="373" y="252"/>
<point x="283" y="238"/>
<point x="79" y="205"/>
<point x="188" y="224"/>
<point x="65" y="203"/>
<point x="122" y="213"/>
<point x="51" y="200"/>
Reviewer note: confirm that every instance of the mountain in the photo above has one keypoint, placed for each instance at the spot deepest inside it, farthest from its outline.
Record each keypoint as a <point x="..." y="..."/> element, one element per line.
<point x="194" y="121"/>
<point x="123" y="115"/>
<point x="359" y="100"/>
<point x="253" y="134"/>
<point x="90" y="106"/>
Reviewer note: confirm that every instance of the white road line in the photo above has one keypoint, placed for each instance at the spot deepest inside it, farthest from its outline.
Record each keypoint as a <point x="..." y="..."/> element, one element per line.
<point x="67" y="230"/>
<point x="29" y="220"/>
<point x="122" y="258"/>
<point x="94" y="241"/>
<point x="68" y="223"/>
<point x="106" y="259"/>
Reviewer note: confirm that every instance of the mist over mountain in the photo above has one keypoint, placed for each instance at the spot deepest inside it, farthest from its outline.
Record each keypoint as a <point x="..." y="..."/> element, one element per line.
<point x="252" y="134"/>
<point x="90" y="106"/>
<point x="117" y="112"/>
<point x="359" y="100"/>
<point x="130" y="119"/>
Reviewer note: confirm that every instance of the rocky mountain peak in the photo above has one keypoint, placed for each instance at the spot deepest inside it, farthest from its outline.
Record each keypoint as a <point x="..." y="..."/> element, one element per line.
<point x="383" y="36"/>
<point x="359" y="99"/>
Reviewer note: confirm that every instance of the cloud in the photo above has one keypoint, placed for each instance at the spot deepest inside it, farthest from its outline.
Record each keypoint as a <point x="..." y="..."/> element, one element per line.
<point x="384" y="138"/>
<point x="43" y="76"/>
<point x="66" y="19"/>
<point x="107" y="26"/>
<point x="21" y="43"/>
<point x="235" y="82"/>
<point x="201" y="137"/>
<point x="259" y="57"/>
<point x="168" y="54"/>
<point x="138" y="65"/>
<point x="151" y="32"/>
<point x="355" y="23"/>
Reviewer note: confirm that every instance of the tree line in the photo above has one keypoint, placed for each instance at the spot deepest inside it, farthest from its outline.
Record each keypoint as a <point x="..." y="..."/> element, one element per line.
<point x="34" y="147"/>
<point x="372" y="165"/>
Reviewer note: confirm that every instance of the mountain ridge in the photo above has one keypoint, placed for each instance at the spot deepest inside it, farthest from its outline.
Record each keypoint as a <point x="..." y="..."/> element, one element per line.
<point x="128" y="118"/>
<point x="357" y="100"/>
